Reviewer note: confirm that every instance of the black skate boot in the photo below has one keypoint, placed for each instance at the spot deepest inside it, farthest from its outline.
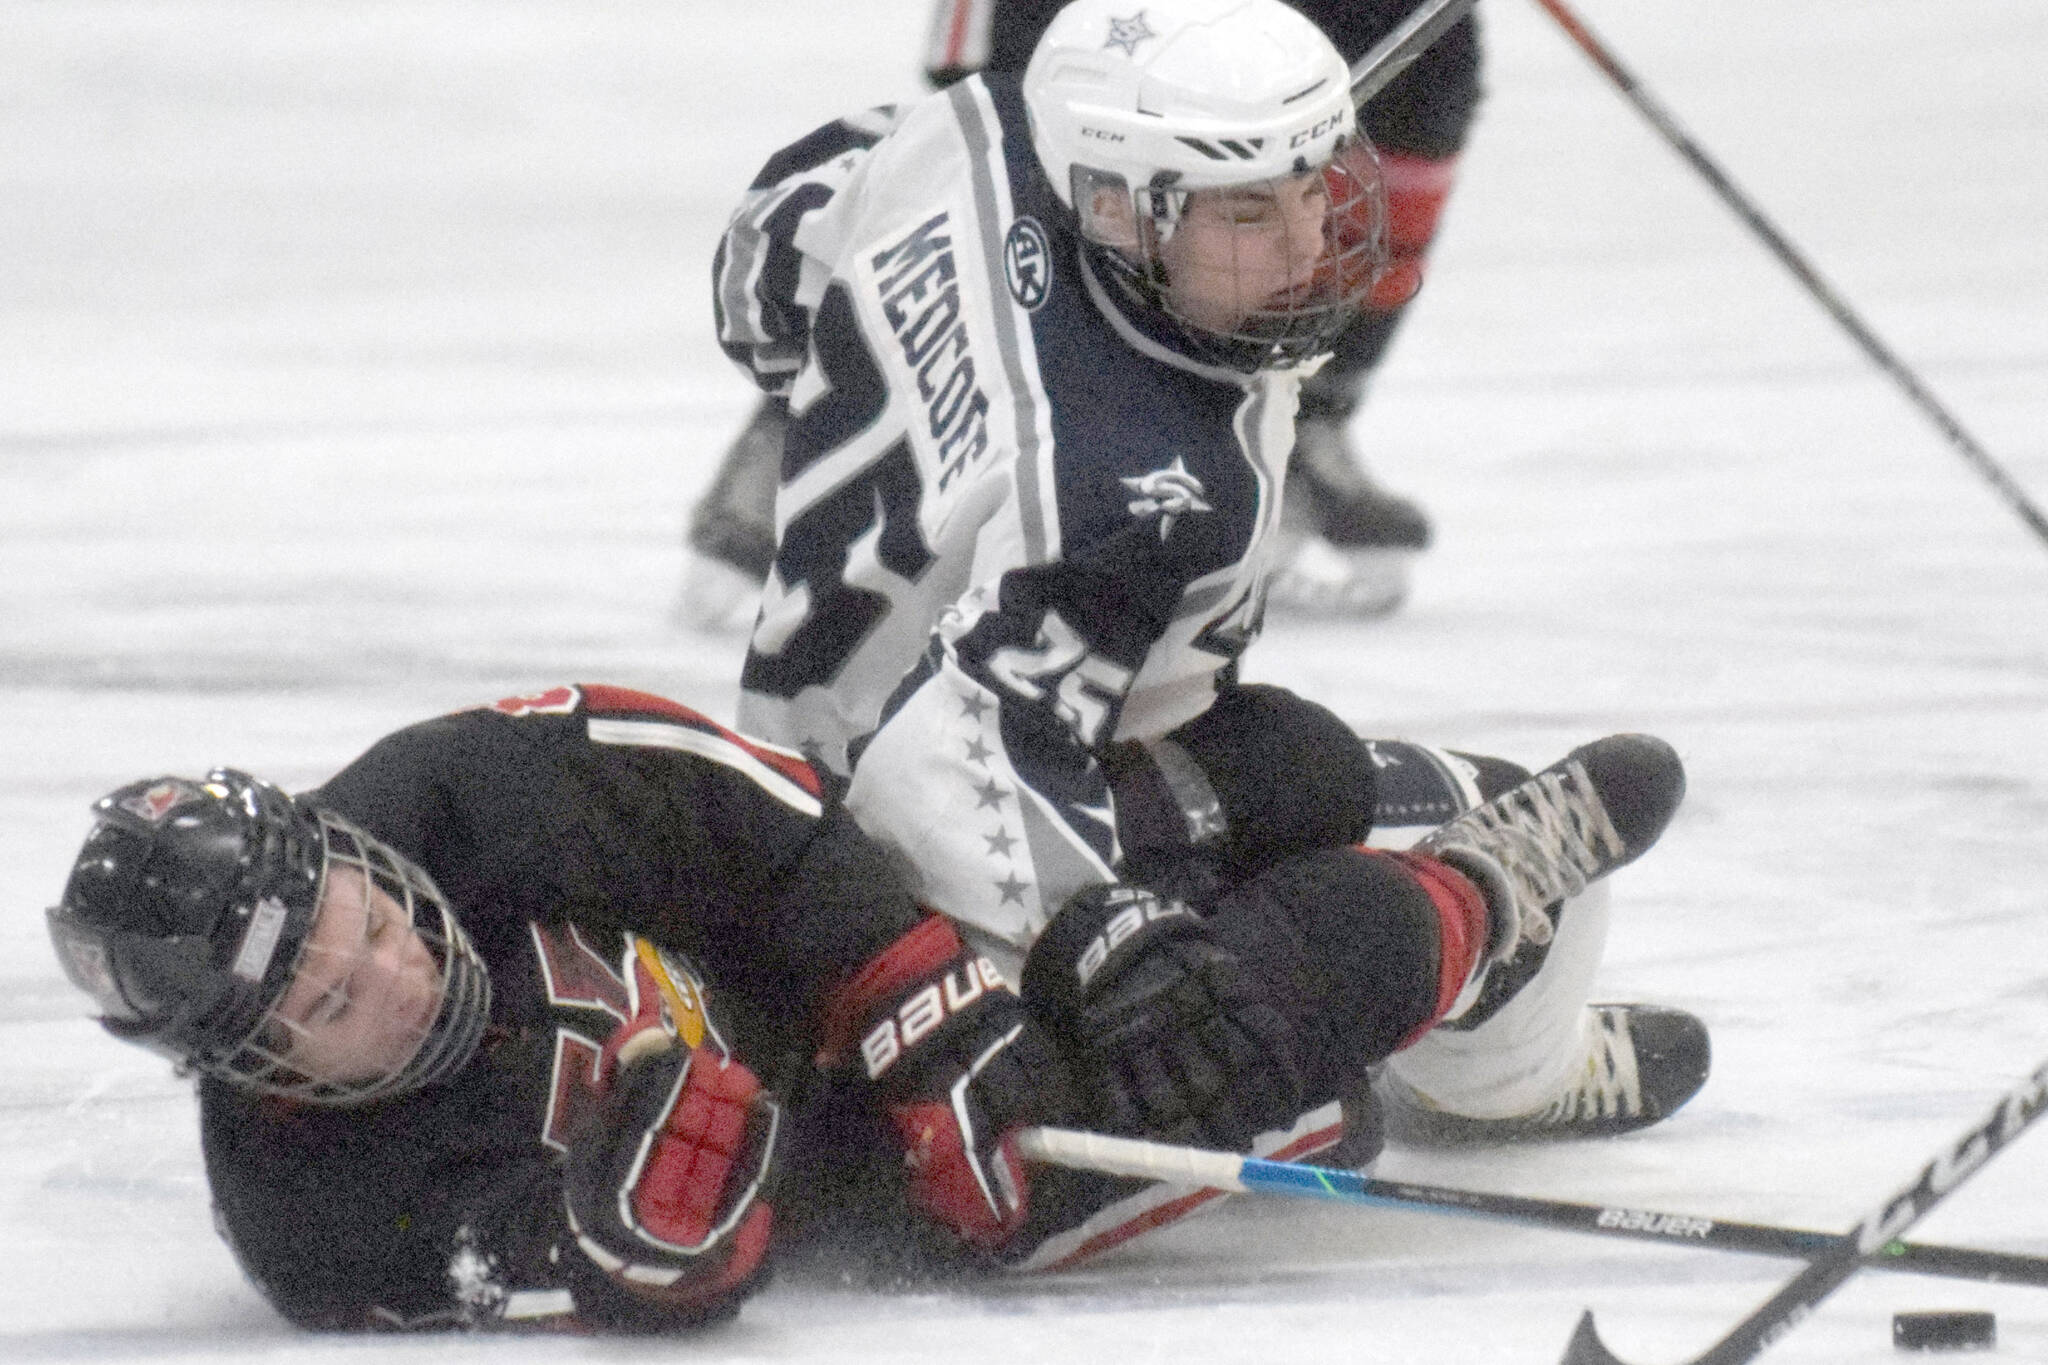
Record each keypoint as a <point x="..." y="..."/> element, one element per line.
<point x="1642" y="1062"/>
<point x="1529" y="849"/>
<point x="731" y="540"/>
<point x="1348" y="544"/>
<point x="1598" y="809"/>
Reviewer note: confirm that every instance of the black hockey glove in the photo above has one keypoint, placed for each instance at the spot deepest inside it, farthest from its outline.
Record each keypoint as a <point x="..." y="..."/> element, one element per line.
<point x="665" y="1183"/>
<point x="1167" y="1035"/>
<point x="957" y="1067"/>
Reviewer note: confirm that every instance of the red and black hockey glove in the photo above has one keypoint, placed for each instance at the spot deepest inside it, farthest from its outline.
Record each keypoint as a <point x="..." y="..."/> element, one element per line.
<point x="957" y="1067"/>
<point x="1167" y="1035"/>
<point x="666" y="1181"/>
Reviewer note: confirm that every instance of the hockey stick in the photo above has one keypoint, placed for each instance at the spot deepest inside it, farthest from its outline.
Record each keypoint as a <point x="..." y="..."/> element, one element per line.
<point x="1391" y="55"/>
<point x="1252" y="1175"/>
<point x="1790" y="257"/>
<point x="1787" y="1308"/>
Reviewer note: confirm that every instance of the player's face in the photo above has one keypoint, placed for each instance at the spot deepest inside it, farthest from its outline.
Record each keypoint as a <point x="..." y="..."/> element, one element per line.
<point x="1246" y="249"/>
<point x="367" y="987"/>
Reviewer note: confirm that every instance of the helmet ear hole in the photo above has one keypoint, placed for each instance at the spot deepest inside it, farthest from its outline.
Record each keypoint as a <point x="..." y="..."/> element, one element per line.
<point x="1106" y="212"/>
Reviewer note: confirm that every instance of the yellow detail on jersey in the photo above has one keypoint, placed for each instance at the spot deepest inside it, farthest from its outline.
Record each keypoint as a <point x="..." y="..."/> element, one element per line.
<point x="679" y="991"/>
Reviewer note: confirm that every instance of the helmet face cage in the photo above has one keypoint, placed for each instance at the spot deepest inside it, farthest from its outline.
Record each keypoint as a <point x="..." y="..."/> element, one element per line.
<point x="268" y="1059"/>
<point x="1248" y="276"/>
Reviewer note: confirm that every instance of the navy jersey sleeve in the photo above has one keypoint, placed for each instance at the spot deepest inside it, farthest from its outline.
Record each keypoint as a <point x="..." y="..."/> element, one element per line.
<point x="762" y="296"/>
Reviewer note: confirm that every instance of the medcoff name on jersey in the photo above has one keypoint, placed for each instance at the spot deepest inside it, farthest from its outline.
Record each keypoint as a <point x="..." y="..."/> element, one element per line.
<point x="917" y="283"/>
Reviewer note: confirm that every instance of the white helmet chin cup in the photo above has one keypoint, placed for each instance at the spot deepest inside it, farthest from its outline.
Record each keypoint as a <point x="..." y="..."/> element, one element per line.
<point x="1191" y="94"/>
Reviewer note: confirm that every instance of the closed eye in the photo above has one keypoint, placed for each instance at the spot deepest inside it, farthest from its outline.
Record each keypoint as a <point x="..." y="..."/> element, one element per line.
<point x="332" y="1005"/>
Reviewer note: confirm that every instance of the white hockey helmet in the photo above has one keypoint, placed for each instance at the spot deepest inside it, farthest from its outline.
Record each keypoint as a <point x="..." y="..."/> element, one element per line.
<point x="1137" y="104"/>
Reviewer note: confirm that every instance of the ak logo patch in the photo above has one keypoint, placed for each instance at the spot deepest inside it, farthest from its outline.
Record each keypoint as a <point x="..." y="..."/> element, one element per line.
<point x="1027" y="264"/>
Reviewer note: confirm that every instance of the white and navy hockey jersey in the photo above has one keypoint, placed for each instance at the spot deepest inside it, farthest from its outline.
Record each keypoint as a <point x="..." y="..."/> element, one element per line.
<point x="1012" y="525"/>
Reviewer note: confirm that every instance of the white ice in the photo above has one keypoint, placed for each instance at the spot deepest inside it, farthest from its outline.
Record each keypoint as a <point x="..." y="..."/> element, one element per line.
<point x="356" y="364"/>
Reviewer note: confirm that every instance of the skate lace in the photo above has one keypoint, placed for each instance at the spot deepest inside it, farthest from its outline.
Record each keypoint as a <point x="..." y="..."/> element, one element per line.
<point x="1550" y="835"/>
<point x="1611" y="1086"/>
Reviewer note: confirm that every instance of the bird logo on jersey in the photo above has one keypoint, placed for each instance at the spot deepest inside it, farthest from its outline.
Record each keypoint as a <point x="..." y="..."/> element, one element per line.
<point x="1128" y="33"/>
<point x="1166" y="493"/>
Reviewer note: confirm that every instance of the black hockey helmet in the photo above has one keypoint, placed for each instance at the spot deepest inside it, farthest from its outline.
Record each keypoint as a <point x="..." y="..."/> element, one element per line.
<point x="190" y="904"/>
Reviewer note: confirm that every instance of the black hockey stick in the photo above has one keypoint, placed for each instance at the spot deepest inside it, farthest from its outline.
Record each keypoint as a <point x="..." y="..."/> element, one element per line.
<point x="1790" y="257"/>
<point x="1787" y="1308"/>
<point x="1252" y="1175"/>
<point x="1391" y="55"/>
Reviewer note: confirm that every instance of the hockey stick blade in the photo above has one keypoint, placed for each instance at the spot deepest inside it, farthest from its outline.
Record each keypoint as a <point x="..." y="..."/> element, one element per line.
<point x="1391" y="55"/>
<point x="1251" y="1175"/>
<point x="1790" y="1306"/>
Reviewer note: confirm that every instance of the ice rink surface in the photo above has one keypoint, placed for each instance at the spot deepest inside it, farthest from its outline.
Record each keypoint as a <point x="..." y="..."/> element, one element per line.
<point x="356" y="364"/>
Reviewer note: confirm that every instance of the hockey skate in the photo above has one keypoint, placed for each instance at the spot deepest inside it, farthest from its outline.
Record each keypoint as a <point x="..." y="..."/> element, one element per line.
<point x="1348" y="546"/>
<point x="731" y="540"/>
<point x="1641" y="1063"/>
<point x="1598" y="809"/>
<point x="1530" y="850"/>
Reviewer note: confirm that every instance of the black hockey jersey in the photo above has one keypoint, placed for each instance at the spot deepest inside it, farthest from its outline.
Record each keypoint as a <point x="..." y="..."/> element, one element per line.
<point x="556" y="825"/>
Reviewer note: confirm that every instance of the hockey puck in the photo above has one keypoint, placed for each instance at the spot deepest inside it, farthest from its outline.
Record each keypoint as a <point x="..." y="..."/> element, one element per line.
<point x="1943" y="1331"/>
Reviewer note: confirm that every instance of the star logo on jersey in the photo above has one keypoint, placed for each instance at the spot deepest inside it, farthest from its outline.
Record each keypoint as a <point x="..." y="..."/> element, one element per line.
<point x="1126" y="34"/>
<point x="1166" y="493"/>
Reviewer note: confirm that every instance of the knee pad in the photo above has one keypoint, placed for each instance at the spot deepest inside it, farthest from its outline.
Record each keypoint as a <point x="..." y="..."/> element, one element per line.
<point x="1260" y="776"/>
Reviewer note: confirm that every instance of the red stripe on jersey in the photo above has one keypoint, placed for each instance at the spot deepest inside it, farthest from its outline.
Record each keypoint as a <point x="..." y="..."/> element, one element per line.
<point x="604" y="699"/>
